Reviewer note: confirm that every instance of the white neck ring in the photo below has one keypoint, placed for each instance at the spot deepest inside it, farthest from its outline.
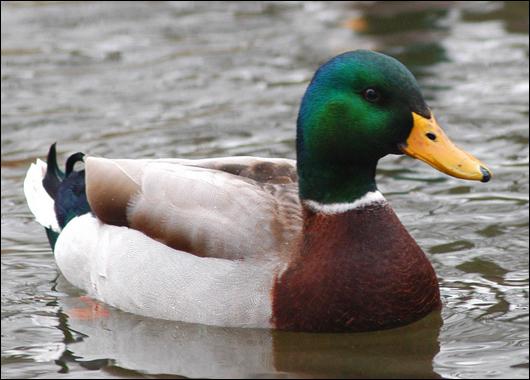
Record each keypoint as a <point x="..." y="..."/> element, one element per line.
<point x="368" y="199"/>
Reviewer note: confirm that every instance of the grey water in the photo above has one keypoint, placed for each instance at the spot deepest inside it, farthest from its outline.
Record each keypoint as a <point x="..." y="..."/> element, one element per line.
<point x="206" y="79"/>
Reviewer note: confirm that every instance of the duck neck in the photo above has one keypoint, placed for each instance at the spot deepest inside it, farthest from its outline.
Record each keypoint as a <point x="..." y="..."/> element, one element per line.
<point x="329" y="183"/>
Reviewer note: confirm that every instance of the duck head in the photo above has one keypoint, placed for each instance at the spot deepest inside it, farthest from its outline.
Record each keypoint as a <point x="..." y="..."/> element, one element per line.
<point x="359" y="107"/>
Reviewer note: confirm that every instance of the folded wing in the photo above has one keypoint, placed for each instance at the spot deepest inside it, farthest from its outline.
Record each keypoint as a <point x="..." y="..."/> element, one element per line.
<point x="233" y="208"/>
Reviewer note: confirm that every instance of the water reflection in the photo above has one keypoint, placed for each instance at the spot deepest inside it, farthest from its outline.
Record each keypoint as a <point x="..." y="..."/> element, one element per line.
<point x="394" y="25"/>
<point x="99" y="337"/>
<point x="514" y="15"/>
<point x="407" y="351"/>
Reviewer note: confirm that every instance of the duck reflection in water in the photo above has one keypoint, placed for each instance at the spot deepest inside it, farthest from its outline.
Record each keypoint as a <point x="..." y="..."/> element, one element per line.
<point x="100" y="337"/>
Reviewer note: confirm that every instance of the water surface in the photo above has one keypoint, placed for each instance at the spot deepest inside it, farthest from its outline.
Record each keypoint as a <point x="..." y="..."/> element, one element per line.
<point x="161" y="79"/>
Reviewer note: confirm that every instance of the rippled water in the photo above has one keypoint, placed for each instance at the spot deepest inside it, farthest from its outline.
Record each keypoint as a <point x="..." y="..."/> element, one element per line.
<point x="164" y="79"/>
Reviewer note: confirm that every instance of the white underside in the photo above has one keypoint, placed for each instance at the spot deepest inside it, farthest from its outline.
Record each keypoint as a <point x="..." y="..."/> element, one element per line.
<point x="135" y="273"/>
<point x="370" y="198"/>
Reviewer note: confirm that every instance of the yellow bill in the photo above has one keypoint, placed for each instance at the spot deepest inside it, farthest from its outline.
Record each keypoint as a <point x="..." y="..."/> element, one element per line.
<point x="428" y="142"/>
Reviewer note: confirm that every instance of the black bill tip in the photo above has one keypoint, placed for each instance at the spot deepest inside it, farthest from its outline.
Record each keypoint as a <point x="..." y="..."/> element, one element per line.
<point x="486" y="174"/>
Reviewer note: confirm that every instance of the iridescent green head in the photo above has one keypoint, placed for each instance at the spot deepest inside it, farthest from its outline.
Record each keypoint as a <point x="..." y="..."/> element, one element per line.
<point x="359" y="107"/>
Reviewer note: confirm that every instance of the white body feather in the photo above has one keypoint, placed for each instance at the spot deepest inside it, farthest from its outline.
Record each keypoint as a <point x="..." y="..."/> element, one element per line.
<point x="128" y="270"/>
<point x="135" y="273"/>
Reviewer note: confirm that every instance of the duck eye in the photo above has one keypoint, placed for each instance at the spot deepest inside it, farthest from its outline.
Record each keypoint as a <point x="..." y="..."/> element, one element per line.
<point x="371" y="95"/>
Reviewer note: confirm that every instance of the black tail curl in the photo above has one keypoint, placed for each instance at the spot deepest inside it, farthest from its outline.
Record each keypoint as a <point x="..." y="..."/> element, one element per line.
<point x="66" y="188"/>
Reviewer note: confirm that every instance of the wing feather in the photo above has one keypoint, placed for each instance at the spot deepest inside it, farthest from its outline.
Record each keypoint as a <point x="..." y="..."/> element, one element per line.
<point x="234" y="208"/>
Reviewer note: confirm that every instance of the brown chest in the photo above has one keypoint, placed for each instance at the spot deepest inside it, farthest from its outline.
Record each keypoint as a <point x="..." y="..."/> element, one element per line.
<point x="355" y="271"/>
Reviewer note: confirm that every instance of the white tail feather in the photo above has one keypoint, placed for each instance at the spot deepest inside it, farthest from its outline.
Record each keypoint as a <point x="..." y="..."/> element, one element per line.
<point x="39" y="202"/>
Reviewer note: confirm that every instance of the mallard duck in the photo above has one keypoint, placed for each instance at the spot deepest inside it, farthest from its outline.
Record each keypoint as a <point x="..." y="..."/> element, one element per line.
<point x="305" y="245"/>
